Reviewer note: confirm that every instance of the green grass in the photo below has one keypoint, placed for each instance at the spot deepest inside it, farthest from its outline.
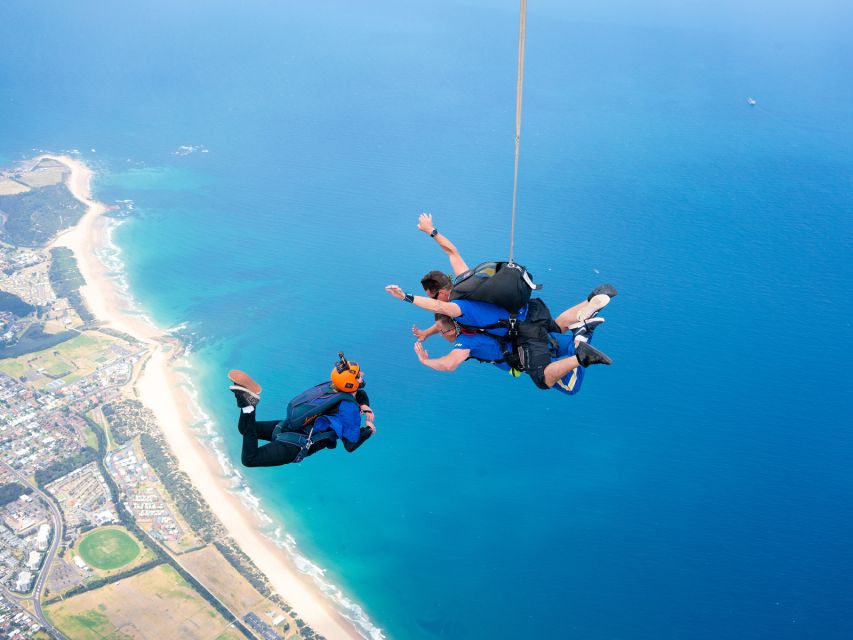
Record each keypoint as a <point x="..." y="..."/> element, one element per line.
<point x="88" y="624"/>
<point x="57" y="368"/>
<point x="71" y="360"/>
<point x="14" y="368"/>
<point x="91" y="438"/>
<point x="108" y="549"/>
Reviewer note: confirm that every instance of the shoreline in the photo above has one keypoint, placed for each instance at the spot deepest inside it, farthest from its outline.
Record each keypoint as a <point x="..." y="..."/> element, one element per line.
<point x="159" y="387"/>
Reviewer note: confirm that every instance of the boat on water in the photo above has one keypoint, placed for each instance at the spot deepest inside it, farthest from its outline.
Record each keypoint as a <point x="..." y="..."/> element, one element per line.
<point x="751" y="102"/>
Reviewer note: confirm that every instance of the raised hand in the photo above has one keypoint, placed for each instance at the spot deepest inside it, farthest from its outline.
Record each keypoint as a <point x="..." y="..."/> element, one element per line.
<point x="420" y="334"/>
<point x="425" y="223"/>
<point x="395" y="291"/>
<point x="421" y="352"/>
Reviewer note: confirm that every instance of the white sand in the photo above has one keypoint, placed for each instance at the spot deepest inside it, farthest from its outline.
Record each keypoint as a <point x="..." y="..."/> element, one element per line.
<point x="159" y="389"/>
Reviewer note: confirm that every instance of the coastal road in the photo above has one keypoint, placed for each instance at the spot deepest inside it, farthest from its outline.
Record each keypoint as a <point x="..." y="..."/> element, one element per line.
<point x="58" y="534"/>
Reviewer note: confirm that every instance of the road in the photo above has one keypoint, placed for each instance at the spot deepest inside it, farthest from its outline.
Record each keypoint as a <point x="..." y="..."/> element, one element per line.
<point x="58" y="534"/>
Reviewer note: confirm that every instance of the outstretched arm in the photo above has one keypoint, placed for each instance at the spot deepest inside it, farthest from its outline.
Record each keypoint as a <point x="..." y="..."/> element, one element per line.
<point x="365" y="432"/>
<point x="456" y="262"/>
<point x="423" y="334"/>
<point x="450" y="362"/>
<point x="436" y="306"/>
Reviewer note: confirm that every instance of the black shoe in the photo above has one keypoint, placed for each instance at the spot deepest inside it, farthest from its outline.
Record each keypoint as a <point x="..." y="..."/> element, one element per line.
<point x="606" y="289"/>
<point x="586" y="327"/>
<point x="245" y="398"/>
<point x="589" y="355"/>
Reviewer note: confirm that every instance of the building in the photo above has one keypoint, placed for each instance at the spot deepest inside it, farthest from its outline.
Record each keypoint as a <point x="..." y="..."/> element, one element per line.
<point x="43" y="537"/>
<point x="34" y="561"/>
<point x="25" y="579"/>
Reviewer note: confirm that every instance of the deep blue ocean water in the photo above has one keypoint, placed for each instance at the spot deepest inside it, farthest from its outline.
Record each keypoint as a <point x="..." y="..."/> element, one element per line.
<point x="698" y="488"/>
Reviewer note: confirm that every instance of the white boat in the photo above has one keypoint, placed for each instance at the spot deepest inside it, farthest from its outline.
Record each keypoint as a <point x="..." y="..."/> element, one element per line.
<point x="751" y="102"/>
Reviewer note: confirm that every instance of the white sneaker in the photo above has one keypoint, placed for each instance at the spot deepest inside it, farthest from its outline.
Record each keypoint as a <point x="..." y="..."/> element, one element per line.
<point x="595" y="304"/>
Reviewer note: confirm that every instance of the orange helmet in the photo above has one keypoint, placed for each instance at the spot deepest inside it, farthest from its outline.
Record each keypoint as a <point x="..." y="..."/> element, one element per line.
<point x="345" y="375"/>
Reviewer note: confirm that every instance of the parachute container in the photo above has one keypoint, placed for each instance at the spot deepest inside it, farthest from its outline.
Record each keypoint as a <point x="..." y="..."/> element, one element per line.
<point x="505" y="284"/>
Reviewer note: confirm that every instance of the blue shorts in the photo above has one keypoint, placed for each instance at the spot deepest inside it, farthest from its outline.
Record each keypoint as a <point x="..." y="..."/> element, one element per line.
<point x="570" y="383"/>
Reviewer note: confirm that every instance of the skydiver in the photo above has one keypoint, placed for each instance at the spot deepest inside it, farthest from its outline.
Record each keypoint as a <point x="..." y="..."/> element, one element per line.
<point x="438" y="285"/>
<point x="569" y="355"/>
<point x="560" y="355"/>
<point x="556" y="359"/>
<point x="340" y="403"/>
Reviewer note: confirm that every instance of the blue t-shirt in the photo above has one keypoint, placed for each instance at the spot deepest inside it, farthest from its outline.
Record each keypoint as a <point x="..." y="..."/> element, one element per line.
<point x="481" y="347"/>
<point x="482" y="314"/>
<point x="345" y="422"/>
<point x="486" y="348"/>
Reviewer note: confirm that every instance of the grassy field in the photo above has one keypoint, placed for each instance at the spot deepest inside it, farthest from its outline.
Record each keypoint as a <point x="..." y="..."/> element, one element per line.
<point x="15" y="367"/>
<point x="89" y="434"/>
<point x="226" y="583"/>
<point x="222" y="579"/>
<point x="71" y="360"/>
<point x="43" y="177"/>
<point x="154" y="605"/>
<point x="108" y="549"/>
<point x="144" y="553"/>
<point x="11" y="187"/>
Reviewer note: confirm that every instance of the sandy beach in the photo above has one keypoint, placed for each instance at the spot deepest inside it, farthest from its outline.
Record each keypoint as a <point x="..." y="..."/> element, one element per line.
<point x="159" y="388"/>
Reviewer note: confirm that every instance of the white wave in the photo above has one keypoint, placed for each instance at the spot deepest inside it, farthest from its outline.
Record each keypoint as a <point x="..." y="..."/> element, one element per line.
<point x="187" y="149"/>
<point x="110" y="255"/>
<point x="179" y="327"/>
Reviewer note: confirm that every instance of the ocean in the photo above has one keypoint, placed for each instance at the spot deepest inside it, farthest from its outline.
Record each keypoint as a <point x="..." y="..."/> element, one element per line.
<point x="698" y="488"/>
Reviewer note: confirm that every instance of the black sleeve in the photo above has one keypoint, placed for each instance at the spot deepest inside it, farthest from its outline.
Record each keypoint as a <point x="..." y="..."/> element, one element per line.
<point x="329" y="443"/>
<point x="362" y="437"/>
<point x="361" y="397"/>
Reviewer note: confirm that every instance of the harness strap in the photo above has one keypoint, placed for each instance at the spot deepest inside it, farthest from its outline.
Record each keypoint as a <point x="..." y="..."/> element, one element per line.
<point x="508" y="342"/>
<point x="301" y="440"/>
<point x="511" y="325"/>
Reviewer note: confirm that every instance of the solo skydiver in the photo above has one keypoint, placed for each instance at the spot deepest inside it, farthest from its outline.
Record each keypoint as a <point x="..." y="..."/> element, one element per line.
<point x="316" y="419"/>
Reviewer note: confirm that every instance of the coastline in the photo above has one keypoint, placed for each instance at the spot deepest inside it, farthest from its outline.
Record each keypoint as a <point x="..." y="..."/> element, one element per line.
<point x="159" y="387"/>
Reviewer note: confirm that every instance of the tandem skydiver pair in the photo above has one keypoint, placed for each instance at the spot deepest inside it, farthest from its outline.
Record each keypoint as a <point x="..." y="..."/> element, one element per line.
<point x="489" y="316"/>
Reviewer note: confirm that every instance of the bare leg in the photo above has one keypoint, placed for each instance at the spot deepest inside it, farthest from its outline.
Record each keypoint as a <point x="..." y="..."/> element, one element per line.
<point x="559" y="368"/>
<point x="569" y="316"/>
<point x="581" y="311"/>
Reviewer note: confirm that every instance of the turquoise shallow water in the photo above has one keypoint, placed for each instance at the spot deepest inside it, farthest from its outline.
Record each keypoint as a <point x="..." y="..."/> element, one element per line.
<point x="697" y="488"/>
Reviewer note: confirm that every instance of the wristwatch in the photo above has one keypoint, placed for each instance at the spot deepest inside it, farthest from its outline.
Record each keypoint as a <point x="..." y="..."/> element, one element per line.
<point x="434" y="233"/>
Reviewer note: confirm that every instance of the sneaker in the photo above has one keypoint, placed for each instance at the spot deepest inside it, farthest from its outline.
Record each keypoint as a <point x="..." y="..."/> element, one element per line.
<point x="243" y="379"/>
<point x="584" y="328"/>
<point x="606" y="289"/>
<point x="593" y="305"/>
<point x="246" y="391"/>
<point x="245" y="398"/>
<point x="589" y="355"/>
